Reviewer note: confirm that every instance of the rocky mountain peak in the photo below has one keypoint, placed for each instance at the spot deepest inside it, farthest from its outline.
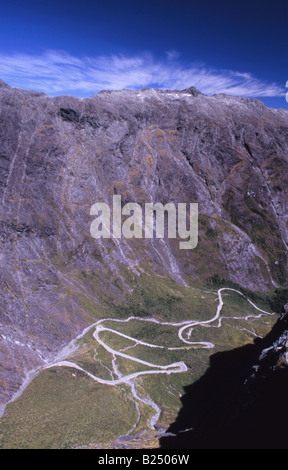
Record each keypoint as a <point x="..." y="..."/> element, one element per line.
<point x="58" y="156"/>
<point x="3" y="84"/>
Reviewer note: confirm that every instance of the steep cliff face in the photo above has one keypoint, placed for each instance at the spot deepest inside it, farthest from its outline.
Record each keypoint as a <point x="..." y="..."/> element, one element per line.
<point x="58" y="156"/>
<point x="247" y="406"/>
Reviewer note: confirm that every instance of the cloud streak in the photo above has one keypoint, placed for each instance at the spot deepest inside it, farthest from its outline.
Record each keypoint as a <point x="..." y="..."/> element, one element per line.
<point x="57" y="72"/>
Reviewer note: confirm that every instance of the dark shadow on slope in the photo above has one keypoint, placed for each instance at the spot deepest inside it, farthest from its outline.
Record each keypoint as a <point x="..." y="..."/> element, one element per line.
<point x="224" y="410"/>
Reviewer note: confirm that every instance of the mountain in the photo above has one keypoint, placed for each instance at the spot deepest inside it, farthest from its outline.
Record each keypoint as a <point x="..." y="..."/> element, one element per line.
<point x="61" y="155"/>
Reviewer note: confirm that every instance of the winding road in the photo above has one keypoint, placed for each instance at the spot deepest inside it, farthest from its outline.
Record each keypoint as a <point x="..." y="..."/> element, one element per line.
<point x="174" y="368"/>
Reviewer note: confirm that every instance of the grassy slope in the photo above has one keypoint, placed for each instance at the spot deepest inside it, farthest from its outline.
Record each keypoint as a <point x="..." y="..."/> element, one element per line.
<point x="63" y="408"/>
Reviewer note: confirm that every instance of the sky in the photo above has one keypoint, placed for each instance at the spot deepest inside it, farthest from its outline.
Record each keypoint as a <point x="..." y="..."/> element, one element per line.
<point x="82" y="47"/>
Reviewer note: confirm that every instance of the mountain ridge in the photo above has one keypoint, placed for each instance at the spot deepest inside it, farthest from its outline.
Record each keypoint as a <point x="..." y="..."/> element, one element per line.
<point x="59" y="155"/>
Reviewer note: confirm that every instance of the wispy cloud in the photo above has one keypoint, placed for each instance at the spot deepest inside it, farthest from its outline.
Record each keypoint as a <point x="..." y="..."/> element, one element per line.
<point x="56" y="72"/>
<point x="173" y="55"/>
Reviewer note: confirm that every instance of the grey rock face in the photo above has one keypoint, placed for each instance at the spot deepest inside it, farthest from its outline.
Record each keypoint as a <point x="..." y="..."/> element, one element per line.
<point x="58" y="156"/>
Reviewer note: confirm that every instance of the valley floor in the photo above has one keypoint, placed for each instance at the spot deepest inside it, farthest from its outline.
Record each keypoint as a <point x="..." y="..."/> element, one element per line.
<point x="139" y="366"/>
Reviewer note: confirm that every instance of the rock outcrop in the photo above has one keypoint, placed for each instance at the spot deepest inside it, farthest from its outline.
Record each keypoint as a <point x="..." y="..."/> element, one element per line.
<point x="58" y="156"/>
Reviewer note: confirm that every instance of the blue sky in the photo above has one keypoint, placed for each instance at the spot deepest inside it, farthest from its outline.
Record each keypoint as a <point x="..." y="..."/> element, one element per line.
<point x="79" y="48"/>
